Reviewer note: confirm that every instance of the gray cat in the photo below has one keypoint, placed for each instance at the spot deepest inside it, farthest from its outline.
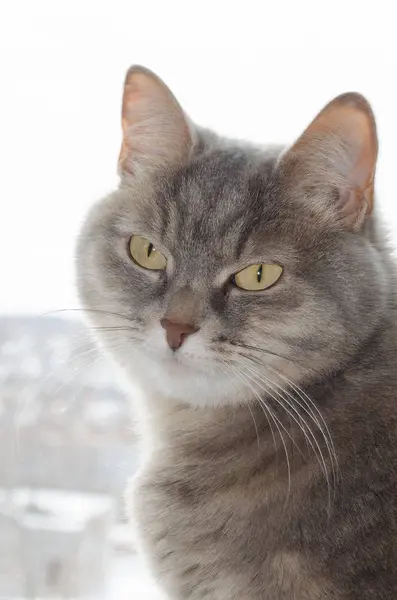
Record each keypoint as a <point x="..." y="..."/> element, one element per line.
<point x="250" y="294"/>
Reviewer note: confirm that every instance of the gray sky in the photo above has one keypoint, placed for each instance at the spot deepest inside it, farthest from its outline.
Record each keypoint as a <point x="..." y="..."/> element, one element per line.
<point x="247" y="70"/>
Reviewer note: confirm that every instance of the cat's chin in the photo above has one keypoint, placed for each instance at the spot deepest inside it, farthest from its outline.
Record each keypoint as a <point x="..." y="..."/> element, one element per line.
<point x="184" y="378"/>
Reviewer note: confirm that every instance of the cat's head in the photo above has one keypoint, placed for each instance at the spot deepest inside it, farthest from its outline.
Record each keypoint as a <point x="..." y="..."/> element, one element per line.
<point x="218" y="270"/>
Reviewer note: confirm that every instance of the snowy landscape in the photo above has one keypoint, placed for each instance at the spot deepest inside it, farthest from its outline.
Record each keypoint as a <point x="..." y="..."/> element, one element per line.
<point x="68" y="448"/>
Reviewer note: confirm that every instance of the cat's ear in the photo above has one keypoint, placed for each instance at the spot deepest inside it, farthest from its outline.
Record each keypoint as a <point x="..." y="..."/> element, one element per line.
<point x="337" y="153"/>
<point x="156" y="133"/>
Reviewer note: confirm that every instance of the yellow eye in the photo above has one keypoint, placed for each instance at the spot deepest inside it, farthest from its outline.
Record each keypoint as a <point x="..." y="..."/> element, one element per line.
<point x="258" y="277"/>
<point x="145" y="254"/>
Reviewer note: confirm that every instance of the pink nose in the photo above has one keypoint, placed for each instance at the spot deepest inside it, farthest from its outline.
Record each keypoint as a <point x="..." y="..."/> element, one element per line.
<point x="176" y="332"/>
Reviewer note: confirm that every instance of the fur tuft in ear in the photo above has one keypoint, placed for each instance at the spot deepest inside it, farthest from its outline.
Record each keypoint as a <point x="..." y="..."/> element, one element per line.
<point x="339" y="150"/>
<point x="156" y="133"/>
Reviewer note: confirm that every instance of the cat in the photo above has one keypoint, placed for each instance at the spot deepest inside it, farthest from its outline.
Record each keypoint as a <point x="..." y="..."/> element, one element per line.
<point x="249" y="296"/>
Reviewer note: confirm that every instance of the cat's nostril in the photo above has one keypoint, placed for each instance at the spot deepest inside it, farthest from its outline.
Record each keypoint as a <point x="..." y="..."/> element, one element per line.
<point x="177" y="332"/>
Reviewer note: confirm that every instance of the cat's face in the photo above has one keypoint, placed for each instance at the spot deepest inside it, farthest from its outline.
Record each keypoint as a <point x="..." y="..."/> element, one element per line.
<point x="162" y="265"/>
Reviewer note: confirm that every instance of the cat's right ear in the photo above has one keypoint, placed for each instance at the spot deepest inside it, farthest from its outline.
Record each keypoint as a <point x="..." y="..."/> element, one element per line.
<point x="156" y="132"/>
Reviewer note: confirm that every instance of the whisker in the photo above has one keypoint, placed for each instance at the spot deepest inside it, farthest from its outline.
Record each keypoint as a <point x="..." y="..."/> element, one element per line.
<point x="309" y="406"/>
<point x="266" y="351"/>
<point x="253" y="377"/>
<point x="310" y="413"/>
<point x="87" y="310"/>
<point x="277" y="422"/>
<point x="227" y="366"/>
<point x="238" y="374"/>
<point x="317" y="450"/>
<point x="114" y="328"/>
<point x="305" y="398"/>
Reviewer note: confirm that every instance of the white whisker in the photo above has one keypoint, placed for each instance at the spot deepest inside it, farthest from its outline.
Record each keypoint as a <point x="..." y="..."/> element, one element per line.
<point x="305" y="398"/>
<point x="229" y="373"/>
<point x="277" y="422"/>
<point x="311" y="415"/>
<point x="316" y="448"/>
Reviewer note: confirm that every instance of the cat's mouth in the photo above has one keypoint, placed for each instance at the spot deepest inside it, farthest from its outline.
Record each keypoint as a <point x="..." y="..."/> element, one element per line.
<point x="181" y="361"/>
<point x="195" y="357"/>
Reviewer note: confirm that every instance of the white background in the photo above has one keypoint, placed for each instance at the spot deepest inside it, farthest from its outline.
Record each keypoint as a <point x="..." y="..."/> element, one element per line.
<point x="256" y="70"/>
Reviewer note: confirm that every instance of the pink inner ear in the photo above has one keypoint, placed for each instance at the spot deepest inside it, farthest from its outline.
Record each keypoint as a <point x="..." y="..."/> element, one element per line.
<point x="132" y="95"/>
<point x="360" y="128"/>
<point x="339" y="148"/>
<point x="354" y="205"/>
<point x="362" y="174"/>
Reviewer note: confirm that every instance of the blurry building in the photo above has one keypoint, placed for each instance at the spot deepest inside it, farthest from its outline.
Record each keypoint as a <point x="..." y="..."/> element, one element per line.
<point x="68" y="448"/>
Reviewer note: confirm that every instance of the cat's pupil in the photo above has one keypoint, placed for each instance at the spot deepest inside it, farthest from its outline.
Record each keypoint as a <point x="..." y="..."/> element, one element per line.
<point x="259" y="273"/>
<point x="150" y="249"/>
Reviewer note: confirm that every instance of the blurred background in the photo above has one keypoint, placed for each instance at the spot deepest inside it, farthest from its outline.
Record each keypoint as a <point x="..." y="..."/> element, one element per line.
<point x="257" y="71"/>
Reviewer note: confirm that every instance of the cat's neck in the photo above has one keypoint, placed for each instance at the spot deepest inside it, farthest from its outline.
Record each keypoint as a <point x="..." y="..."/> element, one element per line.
<point x="168" y="423"/>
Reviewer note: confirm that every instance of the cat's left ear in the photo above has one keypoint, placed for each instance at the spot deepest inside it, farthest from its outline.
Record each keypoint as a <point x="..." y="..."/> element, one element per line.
<point x="156" y="132"/>
<point x="337" y="155"/>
